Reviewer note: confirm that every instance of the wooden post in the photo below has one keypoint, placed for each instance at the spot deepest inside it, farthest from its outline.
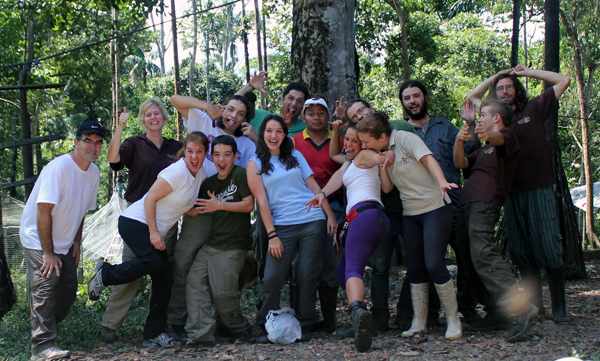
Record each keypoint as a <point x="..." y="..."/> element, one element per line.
<point x="27" y="150"/>
<point x="245" y="41"/>
<point x="258" y="48"/>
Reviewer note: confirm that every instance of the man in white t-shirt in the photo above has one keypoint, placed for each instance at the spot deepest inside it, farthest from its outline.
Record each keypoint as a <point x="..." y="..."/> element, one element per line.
<point x="51" y="228"/>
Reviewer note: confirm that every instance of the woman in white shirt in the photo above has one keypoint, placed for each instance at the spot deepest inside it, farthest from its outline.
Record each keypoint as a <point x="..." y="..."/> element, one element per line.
<point x="143" y="226"/>
<point x="364" y="179"/>
<point x="282" y="182"/>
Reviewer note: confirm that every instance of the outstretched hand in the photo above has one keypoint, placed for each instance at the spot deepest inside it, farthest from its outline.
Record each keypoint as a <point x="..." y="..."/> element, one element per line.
<point x="287" y="116"/>
<point x="338" y="125"/>
<point x="463" y="134"/>
<point x="316" y="201"/>
<point x="340" y="108"/>
<point x="482" y="133"/>
<point x="468" y="111"/>
<point x="447" y="186"/>
<point x="258" y="81"/>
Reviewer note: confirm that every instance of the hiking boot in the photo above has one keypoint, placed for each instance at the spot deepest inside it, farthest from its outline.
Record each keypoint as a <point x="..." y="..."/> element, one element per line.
<point x="108" y="335"/>
<point x="520" y="325"/>
<point x="361" y="324"/>
<point x="52" y="353"/>
<point x="162" y="340"/>
<point x="95" y="286"/>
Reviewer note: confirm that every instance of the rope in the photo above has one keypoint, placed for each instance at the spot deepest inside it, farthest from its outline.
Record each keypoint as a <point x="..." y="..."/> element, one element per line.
<point x="26" y="63"/>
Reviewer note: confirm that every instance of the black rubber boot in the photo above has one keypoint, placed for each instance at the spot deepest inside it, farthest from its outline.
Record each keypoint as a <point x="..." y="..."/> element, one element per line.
<point x="531" y="278"/>
<point x="380" y="319"/>
<point x="361" y="323"/>
<point x="556" y="283"/>
<point x="328" y="299"/>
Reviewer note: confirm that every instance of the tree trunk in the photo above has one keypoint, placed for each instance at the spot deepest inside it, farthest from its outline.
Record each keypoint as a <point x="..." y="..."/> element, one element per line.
<point x="161" y="47"/>
<point x="405" y="62"/>
<point x="258" y="48"/>
<point x="194" y="46"/>
<point x="207" y="50"/>
<point x="323" y="48"/>
<point x="514" y="53"/>
<point x="572" y="250"/>
<point x="245" y="41"/>
<point x="27" y="150"/>
<point x="178" y="119"/>
<point x="7" y="292"/>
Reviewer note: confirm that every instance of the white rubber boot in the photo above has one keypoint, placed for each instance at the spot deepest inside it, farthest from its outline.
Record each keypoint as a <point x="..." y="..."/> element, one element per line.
<point x="448" y="299"/>
<point x="420" y="301"/>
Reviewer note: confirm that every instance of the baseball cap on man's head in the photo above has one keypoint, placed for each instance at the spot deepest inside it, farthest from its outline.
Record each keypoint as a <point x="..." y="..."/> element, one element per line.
<point x="89" y="127"/>
<point x="315" y="101"/>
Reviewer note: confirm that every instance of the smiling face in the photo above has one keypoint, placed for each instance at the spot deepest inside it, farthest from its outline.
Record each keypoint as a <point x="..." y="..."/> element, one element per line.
<point x="88" y="147"/>
<point x="274" y="136"/>
<point x="153" y="118"/>
<point x="223" y="157"/>
<point x="316" y="118"/>
<point x="505" y="91"/>
<point x="414" y="102"/>
<point x="358" y="111"/>
<point x="233" y="115"/>
<point x="352" y="143"/>
<point x="194" y="157"/>
<point x="293" y="100"/>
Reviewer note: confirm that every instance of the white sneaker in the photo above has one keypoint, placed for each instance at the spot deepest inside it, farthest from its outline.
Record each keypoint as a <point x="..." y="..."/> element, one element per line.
<point x="95" y="286"/>
<point x="52" y="353"/>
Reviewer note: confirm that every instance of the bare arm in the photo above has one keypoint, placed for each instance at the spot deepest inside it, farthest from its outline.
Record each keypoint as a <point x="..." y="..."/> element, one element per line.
<point x="335" y="183"/>
<point x="50" y="261"/>
<point x="115" y="141"/>
<point x="311" y="183"/>
<point x="460" y="161"/>
<point x="476" y="95"/>
<point x="368" y="159"/>
<point x="212" y="204"/>
<point x="386" y="183"/>
<point x="434" y="168"/>
<point x="77" y="244"/>
<point x="559" y="82"/>
<point x="184" y="103"/>
<point x="159" y="190"/>
<point x="335" y="148"/>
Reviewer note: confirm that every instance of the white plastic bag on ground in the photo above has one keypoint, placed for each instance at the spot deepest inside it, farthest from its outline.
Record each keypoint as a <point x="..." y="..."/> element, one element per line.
<point x="282" y="327"/>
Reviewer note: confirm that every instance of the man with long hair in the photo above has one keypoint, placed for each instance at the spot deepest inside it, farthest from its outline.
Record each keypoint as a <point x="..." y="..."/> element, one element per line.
<point x="532" y="229"/>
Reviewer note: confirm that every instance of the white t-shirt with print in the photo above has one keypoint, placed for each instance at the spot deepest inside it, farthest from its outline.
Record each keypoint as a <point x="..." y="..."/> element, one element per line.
<point x="199" y="121"/>
<point x="168" y="210"/>
<point x="72" y="190"/>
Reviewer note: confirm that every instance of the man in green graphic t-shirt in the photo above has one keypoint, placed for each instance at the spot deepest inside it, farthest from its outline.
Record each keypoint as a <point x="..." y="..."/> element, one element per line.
<point x="218" y="264"/>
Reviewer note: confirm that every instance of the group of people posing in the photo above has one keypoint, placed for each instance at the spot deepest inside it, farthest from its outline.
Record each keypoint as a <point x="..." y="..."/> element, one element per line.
<point x="307" y="174"/>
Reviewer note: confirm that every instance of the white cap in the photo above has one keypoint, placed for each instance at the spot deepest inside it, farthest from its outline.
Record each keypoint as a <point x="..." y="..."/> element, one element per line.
<point x="317" y="101"/>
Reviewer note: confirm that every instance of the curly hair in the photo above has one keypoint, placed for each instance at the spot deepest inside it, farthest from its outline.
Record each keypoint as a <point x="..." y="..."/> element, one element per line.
<point x="521" y="97"/>
<point x="264" y="154"/>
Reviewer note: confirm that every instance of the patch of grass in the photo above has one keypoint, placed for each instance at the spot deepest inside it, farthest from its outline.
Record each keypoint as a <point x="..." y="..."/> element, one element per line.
<point x="79" y="331"/>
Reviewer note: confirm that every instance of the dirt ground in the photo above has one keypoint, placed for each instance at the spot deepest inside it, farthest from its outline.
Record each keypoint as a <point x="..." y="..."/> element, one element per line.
<point x="547" y="340"/>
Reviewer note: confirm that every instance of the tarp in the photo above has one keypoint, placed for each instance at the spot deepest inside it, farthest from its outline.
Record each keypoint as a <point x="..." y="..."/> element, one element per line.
<point x="578" y="196"/>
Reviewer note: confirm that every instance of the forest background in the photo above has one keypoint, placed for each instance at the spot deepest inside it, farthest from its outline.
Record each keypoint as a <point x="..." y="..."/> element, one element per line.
<point x="450" y="45"/>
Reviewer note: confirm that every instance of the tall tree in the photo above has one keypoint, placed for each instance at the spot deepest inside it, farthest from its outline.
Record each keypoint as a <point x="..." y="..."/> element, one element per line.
<point x="514" y="53"/>
<point x="581" y="25"/>
<point x="323" y="51"/>
<point x="573" y="252"/>
<point x="194" y="47"/>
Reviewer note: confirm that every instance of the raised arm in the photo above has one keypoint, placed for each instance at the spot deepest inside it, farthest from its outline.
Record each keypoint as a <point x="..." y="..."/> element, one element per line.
<point x="184" y="103"/>
<point x="476" y="95"/>
<point x="159" y="190"/>
<point x="460" y="161"/>
<point x="558" y="81"/>
<point x="335" y="183"/>
<point x="257" y="82"/>
<point x="335" y="151"/>
<point x="496" y="138"/>
<point x="115" y="141"/>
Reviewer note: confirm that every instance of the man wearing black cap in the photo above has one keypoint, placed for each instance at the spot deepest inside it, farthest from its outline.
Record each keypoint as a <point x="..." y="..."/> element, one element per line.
<point x="51" y="228"/>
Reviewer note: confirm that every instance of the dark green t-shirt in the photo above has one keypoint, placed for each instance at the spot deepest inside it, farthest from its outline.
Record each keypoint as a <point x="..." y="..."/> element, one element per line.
<point x="230" y="230"/>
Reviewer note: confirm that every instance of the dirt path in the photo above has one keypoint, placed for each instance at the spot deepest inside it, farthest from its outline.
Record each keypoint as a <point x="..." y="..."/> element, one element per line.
<point x="548" y="341"/>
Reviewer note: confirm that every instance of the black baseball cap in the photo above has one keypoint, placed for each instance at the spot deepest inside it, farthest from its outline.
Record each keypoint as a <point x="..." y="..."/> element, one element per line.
<point x="89" y="127"/>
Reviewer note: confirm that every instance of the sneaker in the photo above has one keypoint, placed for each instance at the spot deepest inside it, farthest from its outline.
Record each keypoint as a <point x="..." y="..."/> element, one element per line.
<point x="108" y="335"/>
<point x="162" y="340"/>
<point x="52" y="353"/>
<point x="520" y="325"/>
<point x="188" y="342"/>
<point x="95" y="286"/>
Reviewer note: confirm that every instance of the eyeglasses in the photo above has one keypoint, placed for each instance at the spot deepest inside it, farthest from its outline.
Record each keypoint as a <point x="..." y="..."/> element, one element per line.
<point x="501" y="88"/>
<point x="360" y="111"/>
<point x="89" y="142"/>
